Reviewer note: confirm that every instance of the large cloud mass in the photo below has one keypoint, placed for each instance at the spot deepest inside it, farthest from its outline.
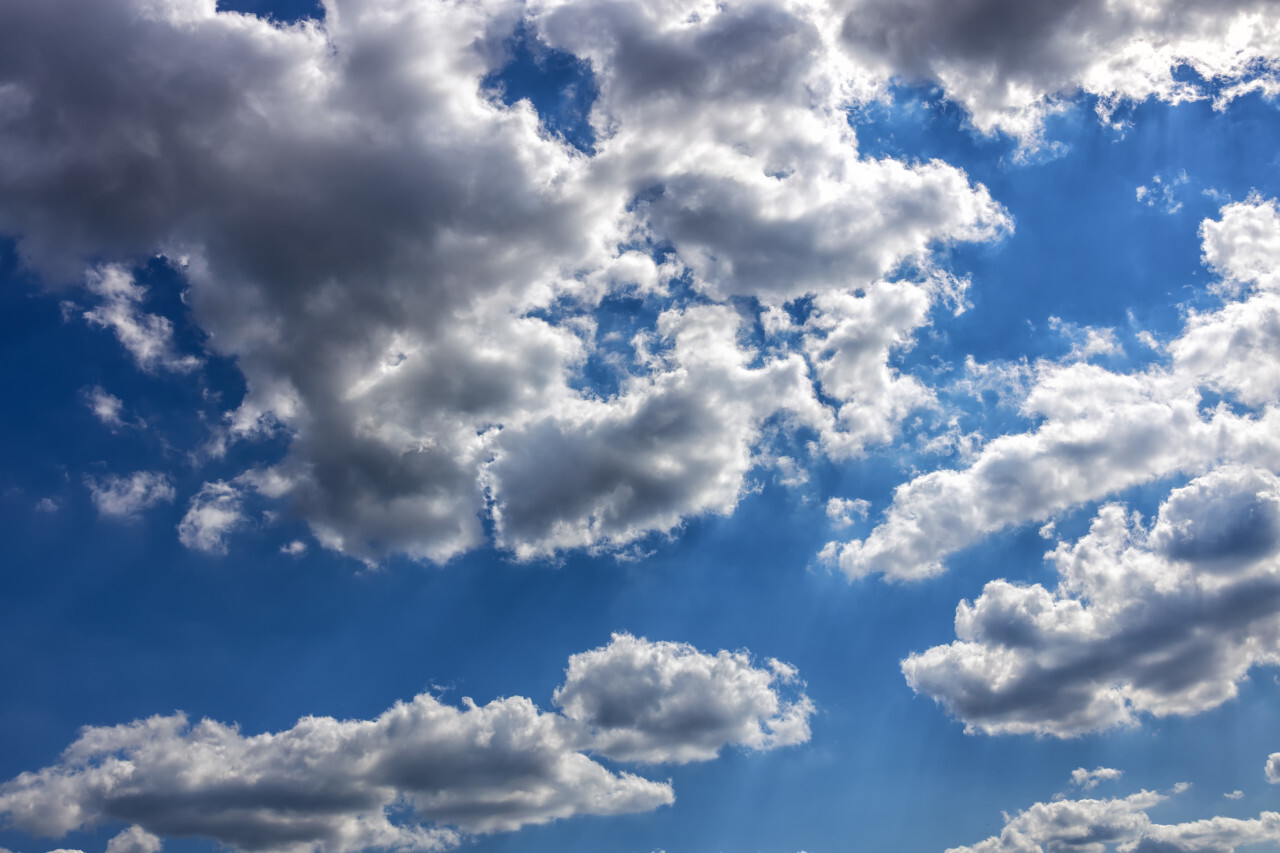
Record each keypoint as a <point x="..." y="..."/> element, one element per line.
<point x="421" y="775"/>
<point x="1160" y="618"/>
<point x="408" y="271"/>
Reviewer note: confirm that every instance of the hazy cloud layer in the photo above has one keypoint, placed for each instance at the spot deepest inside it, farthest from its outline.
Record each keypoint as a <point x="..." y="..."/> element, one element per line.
<point x="407" y="271"/>
<point x="1010" y="64"/>
<point x="1100" y="431"/>
<point x="422" y="775"/>
<point x="1123" y="826"/>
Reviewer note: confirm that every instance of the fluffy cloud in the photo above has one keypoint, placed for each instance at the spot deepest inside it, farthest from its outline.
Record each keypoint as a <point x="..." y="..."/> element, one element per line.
<point x="1273" y="768"/>
<point x="1165" y="619"/>
<point x="214" y="512"/>
<point x="135" y="839"/>
<point x="407" y="271"/>
<point x="126" y="497"/>
<point x="1087" y="780"/>
<point x="1121" y="825"/>
<point x="1011" y="64"/>
<point x="420" y="776"/>
<point x="1100" y="432"/>
<point x="669" y="702"/>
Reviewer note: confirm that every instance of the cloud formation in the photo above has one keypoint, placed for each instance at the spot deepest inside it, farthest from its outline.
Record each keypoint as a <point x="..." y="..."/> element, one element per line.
<point x="670" y="703"/>
<point x="1012" y="64"/>
<point x="417" y="312"/>
<point x="422" y="775"/>
<point x="127" y="497"/>
<point x="1121" y="825"/>
<point x="1100" y="431"/>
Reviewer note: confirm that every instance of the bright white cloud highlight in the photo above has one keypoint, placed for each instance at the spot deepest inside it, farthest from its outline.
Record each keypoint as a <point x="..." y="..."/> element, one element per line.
<point x="147" y="337"/>
<point x="421" y="776"/>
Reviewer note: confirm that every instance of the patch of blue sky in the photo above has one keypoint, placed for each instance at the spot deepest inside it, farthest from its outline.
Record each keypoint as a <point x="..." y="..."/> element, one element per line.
<point x="559" y="85"/>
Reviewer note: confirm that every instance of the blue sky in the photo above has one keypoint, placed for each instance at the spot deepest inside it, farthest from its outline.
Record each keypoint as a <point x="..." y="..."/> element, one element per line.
<point x="637" y="426"/>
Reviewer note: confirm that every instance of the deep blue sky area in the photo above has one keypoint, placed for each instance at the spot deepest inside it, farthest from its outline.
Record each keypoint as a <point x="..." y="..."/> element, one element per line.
<point x="110" y="618"/>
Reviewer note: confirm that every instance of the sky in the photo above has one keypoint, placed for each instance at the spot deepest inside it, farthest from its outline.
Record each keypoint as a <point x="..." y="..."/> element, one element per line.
<point x="639" y="425"/>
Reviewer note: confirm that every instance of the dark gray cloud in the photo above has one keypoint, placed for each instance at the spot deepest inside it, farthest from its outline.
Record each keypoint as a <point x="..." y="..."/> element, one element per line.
<point x="1011" y="63"/>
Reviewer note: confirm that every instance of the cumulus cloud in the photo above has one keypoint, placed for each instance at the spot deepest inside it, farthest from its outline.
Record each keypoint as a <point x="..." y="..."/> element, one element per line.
<point x="841" y="511"/>
<point x="135" y="839"/>
<point x="423" y="775"/>
<point x="415" y="312"/>
<point x="669" y="702"/>
<point x="1012" y="64"/>
<point x="127" y="497"/>
<point x="214" y="512"/>
<point x="1087" y="780"/>
<point x="1121" y="825"/>
<point x="1272" y="768"/>
<point x="1161" y="620"/>
<point x="1099" y="431"/>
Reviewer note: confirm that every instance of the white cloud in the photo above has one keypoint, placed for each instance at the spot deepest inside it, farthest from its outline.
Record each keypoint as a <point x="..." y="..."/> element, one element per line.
<point x="135" y="839"/>
<point x="1272" y="768"/>
<point x="127" y="497"/>
<point x="1087" y="780"/>
<point x="1099" y="431"/>
<point x="1013" y="64"/>
<point x="1234" y="795"/>
<point x="1161" y="620"/>
<point x="147" y="337"/>
<point x="105" y="407"/>
<point x="296" y="548"/>
<point x="1160" y="192"/>
<point x="668" y="702"/>
<point x="421" y="776"/>
<point x="414" y="312"/>
<point x="841" y="511"/>
<point x="214" y="512"/>
<point x="1121" y="825"/>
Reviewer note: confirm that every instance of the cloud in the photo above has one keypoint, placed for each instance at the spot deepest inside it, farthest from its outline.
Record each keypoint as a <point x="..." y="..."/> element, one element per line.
<point x="135" y="839"/>
<point x="1273" y="768"/>
<point x="1161" y="620"/>
<point x="105" y="407"/>
<point x="1121" y="825"/>
<point x="416" y="314"/>
<point x="214" y="512"/>
<point x="1099" y="431"/>
<point x="841" y="511"/>
<point x="423" y="775"/>
<point x="1087" y="780"/>
<point x="1011" y="64"/>
<point x="668" y="702"/>
<point x="127" y="497"/>
<point x="147" y="337"/>
<point x="1234" y="795"/>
